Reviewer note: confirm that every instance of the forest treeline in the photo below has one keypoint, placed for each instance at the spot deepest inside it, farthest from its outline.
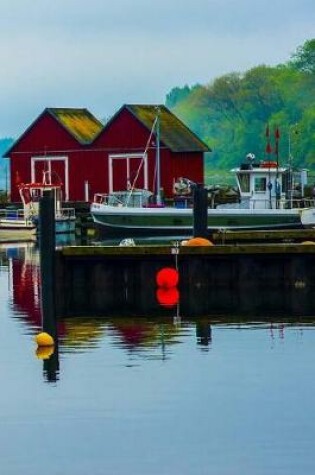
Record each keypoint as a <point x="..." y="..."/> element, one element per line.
<point x="231" y="114"/>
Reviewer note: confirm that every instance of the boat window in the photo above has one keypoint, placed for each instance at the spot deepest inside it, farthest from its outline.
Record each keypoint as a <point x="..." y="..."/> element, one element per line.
<point x="260" y="184"/>
<point x="98" y="198"/>
<point x="243" y="179"/>
<point x="36" y="194"/>
<point x="26" y="195"/>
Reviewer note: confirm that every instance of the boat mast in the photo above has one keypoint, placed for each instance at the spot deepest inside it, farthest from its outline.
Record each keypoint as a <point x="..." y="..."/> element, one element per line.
<point x="277" y="184"/>
<point x="158" y="165"/>
<point x="268" y="152"/>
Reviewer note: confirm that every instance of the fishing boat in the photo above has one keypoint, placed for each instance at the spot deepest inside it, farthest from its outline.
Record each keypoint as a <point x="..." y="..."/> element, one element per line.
<point x="23" y="223"/>
<point x="270" y="197"/>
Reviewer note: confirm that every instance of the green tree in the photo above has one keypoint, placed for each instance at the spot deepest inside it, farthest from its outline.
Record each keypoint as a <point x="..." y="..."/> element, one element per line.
<point x="231" y="113"/>
<point x="304" y="57"/>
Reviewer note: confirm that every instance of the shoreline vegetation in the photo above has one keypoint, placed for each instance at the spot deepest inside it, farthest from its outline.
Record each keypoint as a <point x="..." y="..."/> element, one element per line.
<point x="232" y="113"/>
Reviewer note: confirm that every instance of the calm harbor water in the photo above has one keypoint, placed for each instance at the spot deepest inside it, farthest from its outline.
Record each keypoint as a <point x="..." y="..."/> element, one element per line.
<point x="151" y="395"/>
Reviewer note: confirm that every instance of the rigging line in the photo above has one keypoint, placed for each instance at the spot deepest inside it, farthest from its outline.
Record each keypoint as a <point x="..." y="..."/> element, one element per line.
<point x="154" y="178"/>
<point x="142" y="160"/>
<point x="154" y="184"/>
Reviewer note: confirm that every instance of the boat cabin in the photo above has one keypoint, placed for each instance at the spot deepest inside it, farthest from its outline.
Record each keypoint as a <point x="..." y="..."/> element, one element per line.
<point x="31" y="193"/>
<point x="265" y="185"/>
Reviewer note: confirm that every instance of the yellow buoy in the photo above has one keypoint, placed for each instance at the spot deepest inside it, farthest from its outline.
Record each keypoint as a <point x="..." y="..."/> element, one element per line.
<point x="44" y="339"/>
<point x="198" y="241"/>
<point x="44" y="352"/>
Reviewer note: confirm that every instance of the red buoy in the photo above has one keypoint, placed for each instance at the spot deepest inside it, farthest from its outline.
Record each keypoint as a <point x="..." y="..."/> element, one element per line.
<point x="167" y="277"/>
<point x="167" y="297"/>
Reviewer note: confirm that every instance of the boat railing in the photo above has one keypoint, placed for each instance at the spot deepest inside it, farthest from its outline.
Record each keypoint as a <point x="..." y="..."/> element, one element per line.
<point x="12" y="214"/>
<point x="68" y="213"/>
<point x="302" y="203"/>
<point x="132" y="198"/>
<point x="109" y="199"/>
<point x="282" y="203"/>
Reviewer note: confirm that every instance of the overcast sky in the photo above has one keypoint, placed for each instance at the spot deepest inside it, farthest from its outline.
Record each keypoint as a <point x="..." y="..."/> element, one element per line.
<point x="101" y="54"/>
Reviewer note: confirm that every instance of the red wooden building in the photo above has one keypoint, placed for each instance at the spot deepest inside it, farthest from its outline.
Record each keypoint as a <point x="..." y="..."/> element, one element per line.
<point x="57" y="141"/>
<point x="88" y="157"/>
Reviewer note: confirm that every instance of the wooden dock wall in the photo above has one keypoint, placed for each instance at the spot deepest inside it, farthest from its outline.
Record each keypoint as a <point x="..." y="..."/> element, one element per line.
<point x="256" y="280"/>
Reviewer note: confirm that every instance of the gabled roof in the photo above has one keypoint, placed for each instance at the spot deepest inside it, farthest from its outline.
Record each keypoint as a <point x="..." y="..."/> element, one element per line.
<point x="174" y="134"/>
<point x="79" y="123"/>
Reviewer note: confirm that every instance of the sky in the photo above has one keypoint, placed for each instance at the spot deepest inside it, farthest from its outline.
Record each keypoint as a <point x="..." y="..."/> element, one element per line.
<point x="101" y="54"/>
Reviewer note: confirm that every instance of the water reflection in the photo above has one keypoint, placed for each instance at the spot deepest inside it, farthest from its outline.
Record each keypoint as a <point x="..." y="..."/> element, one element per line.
<point x="155" y="332"/>
<point x="225" y="390"/>
<point x="24" y="281"/>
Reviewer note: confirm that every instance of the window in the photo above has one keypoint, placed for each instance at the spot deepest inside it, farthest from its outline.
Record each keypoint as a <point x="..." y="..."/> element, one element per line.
<point x="243" y="179"/>
<point x="260" y="184"/>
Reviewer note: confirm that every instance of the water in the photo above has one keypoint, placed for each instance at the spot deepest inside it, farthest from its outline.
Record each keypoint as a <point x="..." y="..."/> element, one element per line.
<point x="151" y="395"/>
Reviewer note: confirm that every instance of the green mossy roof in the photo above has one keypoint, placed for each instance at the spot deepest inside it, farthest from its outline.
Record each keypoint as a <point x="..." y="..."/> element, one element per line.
<point x="173" y="132"/>
<point x="80" y="123"/>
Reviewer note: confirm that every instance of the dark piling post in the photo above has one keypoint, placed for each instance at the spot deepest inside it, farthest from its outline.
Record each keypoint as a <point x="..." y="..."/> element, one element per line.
<point x="200" y="213"/>
<point x="47" y="262"/>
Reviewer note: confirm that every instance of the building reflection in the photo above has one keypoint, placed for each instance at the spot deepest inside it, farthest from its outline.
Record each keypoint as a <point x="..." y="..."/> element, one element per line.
<point x="134" y="321"/>
<point x="158" y="324"/>
<point x="25" y="282"/>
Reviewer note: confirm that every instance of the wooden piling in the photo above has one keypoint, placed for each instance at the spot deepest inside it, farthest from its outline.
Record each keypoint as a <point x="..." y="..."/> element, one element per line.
<point x="47" y="262"/>
<point x="200" y="211"/>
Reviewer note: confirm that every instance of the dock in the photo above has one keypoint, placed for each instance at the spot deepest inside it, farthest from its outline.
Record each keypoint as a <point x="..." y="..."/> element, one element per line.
<point x="253" y="279"/>
<point x="254" y="236"/>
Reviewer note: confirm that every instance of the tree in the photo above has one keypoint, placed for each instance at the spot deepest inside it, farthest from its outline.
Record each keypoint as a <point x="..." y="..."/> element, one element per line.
<point x="177" y="94"/>
<point x="231" y="113"/>
<point x="304" y="57"/>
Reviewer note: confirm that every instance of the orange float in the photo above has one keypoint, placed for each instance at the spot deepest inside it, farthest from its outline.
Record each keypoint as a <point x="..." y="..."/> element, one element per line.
<point x="198" y="241"/>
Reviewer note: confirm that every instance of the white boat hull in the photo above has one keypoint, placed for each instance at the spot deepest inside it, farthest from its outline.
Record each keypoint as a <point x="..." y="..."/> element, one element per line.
<point x="17" y="230"/>
<point x="23" y="230"/>
<point x="173" y="221"/>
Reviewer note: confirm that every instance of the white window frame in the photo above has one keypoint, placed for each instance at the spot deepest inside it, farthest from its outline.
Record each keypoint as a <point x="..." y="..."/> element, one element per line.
<point x="49" y="159"/>
<point x="127" y="157"/>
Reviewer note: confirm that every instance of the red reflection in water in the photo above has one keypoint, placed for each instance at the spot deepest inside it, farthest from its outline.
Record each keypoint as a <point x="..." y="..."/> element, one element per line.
<point x="26" y="289"/>
<point x="135" y="334"/>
